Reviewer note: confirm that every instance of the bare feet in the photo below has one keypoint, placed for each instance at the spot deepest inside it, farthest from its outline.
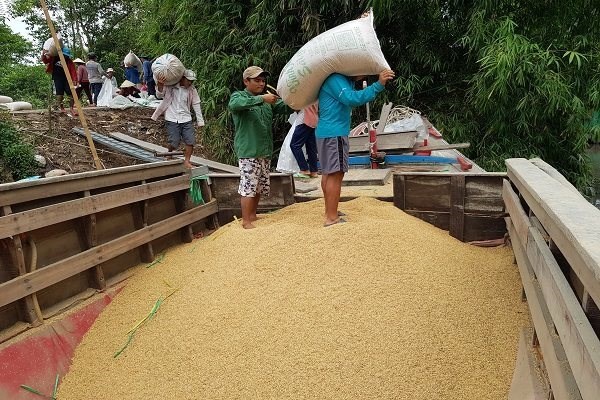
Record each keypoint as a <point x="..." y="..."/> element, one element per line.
<point x="248" y="225"/>
<point x="188" y="165"/>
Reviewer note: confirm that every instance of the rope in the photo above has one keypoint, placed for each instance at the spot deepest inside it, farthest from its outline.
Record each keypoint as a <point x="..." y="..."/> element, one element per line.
<point x="396" y="114"/>
<point x="196" y="189"/>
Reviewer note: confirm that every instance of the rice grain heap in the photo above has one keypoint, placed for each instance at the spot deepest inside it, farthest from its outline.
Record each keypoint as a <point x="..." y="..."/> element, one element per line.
<point x="384" y="306"/>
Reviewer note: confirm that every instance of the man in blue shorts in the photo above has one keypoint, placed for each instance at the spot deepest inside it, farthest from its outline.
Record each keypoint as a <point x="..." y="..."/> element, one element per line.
<point x="336" y="99"/>
<point x="252" y="110"/>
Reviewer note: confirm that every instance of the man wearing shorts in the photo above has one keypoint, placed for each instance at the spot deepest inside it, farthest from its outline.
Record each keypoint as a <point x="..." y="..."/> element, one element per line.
<point x="252" y="111"/>
<point x="178" y="100"/>
<point x="336" y="99"/>
<point x="59" y="76"/>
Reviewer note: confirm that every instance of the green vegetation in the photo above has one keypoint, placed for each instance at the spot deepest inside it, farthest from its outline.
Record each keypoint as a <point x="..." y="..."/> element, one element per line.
<point x="16" y="155"/>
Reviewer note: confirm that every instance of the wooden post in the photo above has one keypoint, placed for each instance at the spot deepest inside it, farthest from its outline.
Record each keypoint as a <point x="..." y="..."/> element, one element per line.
<point x="72" y="87"/>
<point x="28" y="306"/>
<point x="457" y="207"/>
<point x="96" y="277"/>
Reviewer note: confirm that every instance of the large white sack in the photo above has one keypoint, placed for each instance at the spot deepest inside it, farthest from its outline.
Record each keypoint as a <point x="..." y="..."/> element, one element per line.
<point x="168" y="68"/>
<point x="106" y="94"/>
<point x="350" y="49"/>
<point x="17" y="106"/>
<point x="49" y="45"/>
<point x="6" y="99"/>
<point x="132" y="60"/>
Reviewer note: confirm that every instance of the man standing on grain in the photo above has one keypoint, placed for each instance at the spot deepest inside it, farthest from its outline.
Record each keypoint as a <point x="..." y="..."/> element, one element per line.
<point x="336" y="99"/>
<point x="252" y="111"/>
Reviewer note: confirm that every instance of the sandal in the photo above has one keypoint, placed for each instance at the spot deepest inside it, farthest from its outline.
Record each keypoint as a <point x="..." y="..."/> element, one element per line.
<point x="338" y="221"/>
<point x="301" y="176"/>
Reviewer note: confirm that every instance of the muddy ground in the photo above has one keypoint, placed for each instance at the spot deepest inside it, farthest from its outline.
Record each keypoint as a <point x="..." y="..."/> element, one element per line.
<point x="53" y="137"/>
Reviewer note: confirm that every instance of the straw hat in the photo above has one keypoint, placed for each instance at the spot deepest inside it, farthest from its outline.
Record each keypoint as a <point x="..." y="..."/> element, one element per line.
<point x="127" y="84"/>
<point x="78" y="61"/>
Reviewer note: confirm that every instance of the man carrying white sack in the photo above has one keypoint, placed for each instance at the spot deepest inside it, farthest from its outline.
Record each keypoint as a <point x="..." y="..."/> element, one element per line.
<point x="337" y="96"/>
<point x="178" y="99"/>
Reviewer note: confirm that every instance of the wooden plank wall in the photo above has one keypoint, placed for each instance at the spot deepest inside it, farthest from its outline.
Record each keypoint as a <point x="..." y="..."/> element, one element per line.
<point x="225" y="189"/>
<point x="468" y="205"/>
<point x="555" y="235"/>
<point x="64" y="238"/>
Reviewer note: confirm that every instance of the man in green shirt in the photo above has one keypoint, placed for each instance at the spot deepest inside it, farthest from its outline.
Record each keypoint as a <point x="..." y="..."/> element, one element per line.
<point x="253" y="111"/>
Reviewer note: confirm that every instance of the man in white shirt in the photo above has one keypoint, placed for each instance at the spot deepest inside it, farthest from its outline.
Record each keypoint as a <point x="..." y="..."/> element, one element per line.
<point x="178" y="100"/>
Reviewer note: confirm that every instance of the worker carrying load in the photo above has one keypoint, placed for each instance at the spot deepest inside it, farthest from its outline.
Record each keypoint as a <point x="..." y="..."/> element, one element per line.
<point x="168" y="69"/>
<point x="350" y="49"/>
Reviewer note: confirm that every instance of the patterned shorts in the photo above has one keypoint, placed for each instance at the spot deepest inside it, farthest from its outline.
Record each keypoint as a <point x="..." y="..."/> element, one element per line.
<point x="254" y="177"/>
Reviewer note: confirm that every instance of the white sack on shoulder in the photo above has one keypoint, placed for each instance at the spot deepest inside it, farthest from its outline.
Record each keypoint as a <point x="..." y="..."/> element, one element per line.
<point x="350" y="49"/>
<point x="168" y="68"/>
<point x="132" y="60"/>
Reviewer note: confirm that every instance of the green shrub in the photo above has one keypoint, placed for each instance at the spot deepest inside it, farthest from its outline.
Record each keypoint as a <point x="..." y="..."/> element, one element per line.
<point x="15" y="154"/>
<point x="26" y="83"/>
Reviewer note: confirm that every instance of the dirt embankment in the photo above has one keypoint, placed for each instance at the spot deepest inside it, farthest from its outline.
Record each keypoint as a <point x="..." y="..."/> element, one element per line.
<point x="53" y="137"/>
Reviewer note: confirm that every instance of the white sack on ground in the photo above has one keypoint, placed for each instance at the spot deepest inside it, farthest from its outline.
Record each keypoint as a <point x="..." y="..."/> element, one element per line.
<point x="350" y="49"/>
<point x="17" y="106"/>
<point x="168" y="68"/>
<point x="6" y="99"/>
<point x="106" y="94"/>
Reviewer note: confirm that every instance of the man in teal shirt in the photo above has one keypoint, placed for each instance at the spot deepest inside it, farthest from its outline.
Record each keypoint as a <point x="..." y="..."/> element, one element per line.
<point x="252" y="111"/>
<point x="336" y="99"/>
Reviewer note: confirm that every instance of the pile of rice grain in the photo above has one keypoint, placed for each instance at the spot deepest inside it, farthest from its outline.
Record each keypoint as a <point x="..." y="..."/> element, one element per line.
<point x="384" y="306"/>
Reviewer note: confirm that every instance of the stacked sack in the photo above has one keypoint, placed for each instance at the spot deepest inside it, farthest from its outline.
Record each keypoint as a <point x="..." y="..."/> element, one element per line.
<point x="350" y="49"/>
<point x="168" y="69"/>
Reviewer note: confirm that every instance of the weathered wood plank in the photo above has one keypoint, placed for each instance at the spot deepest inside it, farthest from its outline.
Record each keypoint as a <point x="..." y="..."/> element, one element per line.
<point x="399" y="188"/>
<point x="581" y="344"/>
<point x="559" y="372"/>
<point x="427" y="193"/>
<point x="28" y="306"/>
<point x="225" y="188"/>
<point x="139" y="211"/>
<point x="528" y="381"/>
<point x="516" y="212"/>
<point x="457" y="207"/>
<point x="572" y="223"/>
<point x="39" y="217"/>
<point x="97" y="280"/>
<point x="438" y="219"/>
<point x="159" y="149"/>
<point x="483" y="227"/>
<point x="19" y="192"/>
<point x="30" y="283"/>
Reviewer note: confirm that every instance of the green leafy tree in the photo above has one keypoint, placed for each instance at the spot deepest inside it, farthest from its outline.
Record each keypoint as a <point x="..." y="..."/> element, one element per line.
<point x="13" y="47"/>
<point x="17" y="79"/>
<point x="105" y="27"/>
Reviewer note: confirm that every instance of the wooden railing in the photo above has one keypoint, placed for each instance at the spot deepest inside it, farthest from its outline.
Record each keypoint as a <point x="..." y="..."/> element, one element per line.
<point x="60" y="237"/>
<point x="555" y="235"/>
